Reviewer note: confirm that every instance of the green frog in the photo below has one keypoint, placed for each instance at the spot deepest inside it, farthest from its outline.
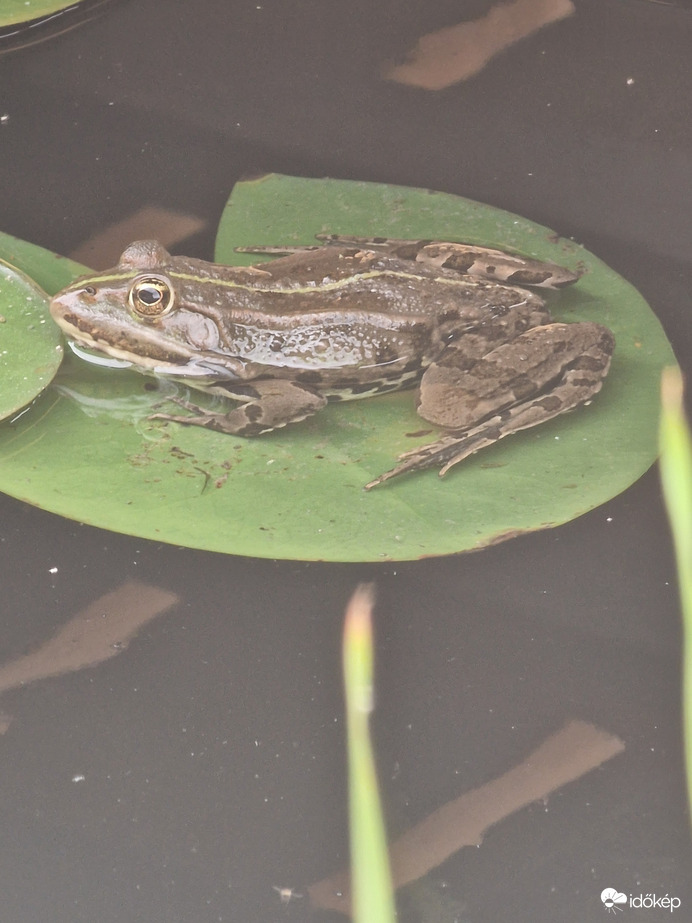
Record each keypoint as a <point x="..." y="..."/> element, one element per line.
<point x="346" y="318"/>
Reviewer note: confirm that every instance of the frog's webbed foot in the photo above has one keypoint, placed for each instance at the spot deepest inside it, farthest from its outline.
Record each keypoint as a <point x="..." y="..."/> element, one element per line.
<point x="542" y="373"/>
<point x="266" y="405"/>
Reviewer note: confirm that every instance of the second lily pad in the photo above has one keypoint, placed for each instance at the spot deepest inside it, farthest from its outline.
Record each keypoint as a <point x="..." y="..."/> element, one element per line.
<point x="30" y="344"/>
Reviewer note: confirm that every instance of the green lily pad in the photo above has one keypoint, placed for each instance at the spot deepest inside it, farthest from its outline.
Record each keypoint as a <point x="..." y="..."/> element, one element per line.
<point x="30" y="344"/>
<point x="87" y="449"/>
<point x="14" y="12"/>
<point x="47" y="269"/>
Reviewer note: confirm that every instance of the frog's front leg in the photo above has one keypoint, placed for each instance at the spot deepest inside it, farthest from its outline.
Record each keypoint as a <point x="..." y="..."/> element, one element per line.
<point x="266" y="404"/>
<point x="542" y="373"/>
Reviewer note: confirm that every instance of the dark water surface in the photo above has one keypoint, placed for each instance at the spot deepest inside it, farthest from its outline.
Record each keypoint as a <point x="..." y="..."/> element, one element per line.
<point x="185" y="778"/>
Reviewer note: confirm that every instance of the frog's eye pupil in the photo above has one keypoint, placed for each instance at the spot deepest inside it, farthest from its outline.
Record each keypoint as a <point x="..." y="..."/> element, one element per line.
<point x="89" y="290"/>
<point x="149" y="294"/>
<point x="151" y="297"/>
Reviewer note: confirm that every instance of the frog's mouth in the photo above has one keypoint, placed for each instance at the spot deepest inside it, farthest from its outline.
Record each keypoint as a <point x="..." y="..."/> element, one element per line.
<point x="146" y="351"/>
<point x="198" y="371"/>
<point x="96" y="357"/>
<point x="100" y="353"/>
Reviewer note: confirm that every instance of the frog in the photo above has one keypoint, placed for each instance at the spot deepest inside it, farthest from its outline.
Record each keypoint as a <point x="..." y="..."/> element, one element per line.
<point x="343" y="319"/>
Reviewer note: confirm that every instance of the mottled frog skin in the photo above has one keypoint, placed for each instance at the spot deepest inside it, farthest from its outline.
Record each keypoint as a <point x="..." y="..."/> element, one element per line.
<point x="347" y="318"/>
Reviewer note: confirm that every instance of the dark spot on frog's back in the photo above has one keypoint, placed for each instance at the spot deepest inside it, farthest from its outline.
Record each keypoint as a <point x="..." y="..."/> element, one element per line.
<point x="418" y="334"/>
<point x="410" y="250"/>
<point x="240" y="390"/>
<point x="253" y="412"/>
<point x="386" y="353"/>
<point x="360" y="387"/>
<point x="413" y="365"/>
<point x="523" y="386"/>
<point x="449" y="315"/>
<point x="550" y="402"/>
<point x="587" y="364"/>
<point x="607" y="340"/>
<point x="310" y="377"/>
<point x="461" y="262"/>
<point x="529" y="276"/>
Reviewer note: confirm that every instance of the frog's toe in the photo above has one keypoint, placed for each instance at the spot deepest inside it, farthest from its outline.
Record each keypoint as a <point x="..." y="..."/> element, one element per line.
<point x="444" y="453"/>
<point x="181" y="402"/>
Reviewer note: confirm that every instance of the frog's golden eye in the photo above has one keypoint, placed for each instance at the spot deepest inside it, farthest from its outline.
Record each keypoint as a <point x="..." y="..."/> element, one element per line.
<point x="151" y="296"/>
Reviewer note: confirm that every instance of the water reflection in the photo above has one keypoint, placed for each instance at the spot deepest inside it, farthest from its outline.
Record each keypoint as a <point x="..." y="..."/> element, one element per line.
<point x="455" y="53"/>
<point x="100" y="631"/>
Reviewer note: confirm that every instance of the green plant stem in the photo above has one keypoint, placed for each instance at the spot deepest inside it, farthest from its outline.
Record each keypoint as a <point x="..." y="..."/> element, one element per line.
<point x="676" y="478"/>
<point x="371" y="888"/>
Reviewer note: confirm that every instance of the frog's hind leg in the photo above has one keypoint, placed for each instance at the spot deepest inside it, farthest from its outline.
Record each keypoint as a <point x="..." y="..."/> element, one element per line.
<point x="544" y="372"/>
<point x="278" y="251"/>
<point x="467" y="259"/>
